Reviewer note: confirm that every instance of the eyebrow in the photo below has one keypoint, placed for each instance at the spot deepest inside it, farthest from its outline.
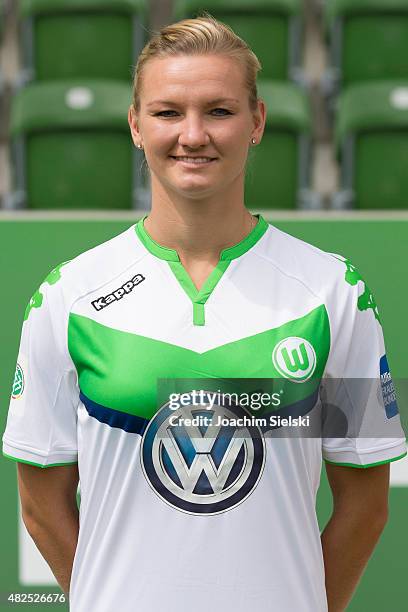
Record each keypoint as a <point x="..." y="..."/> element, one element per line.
<point x="210" y="103"/>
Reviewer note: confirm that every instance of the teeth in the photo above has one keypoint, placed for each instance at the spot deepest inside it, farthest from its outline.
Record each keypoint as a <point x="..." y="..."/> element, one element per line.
<point x="195" y="160"/>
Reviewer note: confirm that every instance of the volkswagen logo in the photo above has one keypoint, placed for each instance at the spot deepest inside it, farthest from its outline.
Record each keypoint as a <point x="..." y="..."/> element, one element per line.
<point x="204" y="468"/>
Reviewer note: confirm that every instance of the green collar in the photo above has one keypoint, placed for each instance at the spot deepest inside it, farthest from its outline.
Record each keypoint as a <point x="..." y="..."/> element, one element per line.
<point x="226" y="254"/>
<point x="200" y="297"/>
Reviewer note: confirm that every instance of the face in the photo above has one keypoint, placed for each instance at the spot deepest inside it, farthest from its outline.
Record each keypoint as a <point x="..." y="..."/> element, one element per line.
<point x="196" y="106"/>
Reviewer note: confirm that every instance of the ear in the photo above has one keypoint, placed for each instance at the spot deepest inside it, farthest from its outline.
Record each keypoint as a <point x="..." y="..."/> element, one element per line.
<point x="134" y="125"/>
<point x="259" y="119"/>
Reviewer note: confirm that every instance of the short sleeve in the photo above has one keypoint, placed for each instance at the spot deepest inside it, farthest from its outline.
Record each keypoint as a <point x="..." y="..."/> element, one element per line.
<point x="42" y="418"/>
<point x="362" y="426"/>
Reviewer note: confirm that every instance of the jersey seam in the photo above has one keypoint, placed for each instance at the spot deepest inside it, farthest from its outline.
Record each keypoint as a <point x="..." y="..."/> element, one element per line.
<point x="318" y="252"/>
<point x="307" y="245"/>
<point x="53" y="407"/>
<point x="355" y="310"/>
<point x="63" y="371"/>
<point x="271" y="261"/>
<point x="315" y="295"/>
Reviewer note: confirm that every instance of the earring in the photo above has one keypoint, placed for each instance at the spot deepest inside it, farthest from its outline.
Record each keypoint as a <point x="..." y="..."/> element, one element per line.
<point x="253" y="141"/>
<point x="140" y="146"/>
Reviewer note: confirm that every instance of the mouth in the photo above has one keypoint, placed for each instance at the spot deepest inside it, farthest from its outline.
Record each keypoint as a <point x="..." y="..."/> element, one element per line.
<point x="193" y="161"/>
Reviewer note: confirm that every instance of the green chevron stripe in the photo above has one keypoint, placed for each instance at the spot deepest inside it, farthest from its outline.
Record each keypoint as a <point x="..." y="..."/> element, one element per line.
<point x="120" y="370"/>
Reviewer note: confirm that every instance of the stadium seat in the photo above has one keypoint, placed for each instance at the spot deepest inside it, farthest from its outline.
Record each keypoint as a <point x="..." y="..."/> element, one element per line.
<point x="272" y="28"/>
<point x="2" y="83"/>
<point x="70" y="39"/>
<point x="72" y="148"/>
<point x="368" y="40"/>
<point x="278" y="172"/>
<point x="371" y="137"/>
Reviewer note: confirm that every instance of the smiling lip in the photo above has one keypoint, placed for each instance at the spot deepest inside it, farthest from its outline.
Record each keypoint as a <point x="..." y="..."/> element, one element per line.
<point x="190" y="160"/>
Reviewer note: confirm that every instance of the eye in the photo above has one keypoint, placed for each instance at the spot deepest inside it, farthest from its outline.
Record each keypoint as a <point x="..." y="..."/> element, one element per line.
<point x="162" y="113"/>
<point x="224" y="110"/>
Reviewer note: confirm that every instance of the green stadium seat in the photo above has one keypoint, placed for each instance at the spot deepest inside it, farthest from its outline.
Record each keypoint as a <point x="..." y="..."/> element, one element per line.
<point x="1" y="34"/>
<point x="278" y="172"/>
<point x="368" y="40"/>
<point x="371" y="138"/>
<point x="72" y="148"/>
<point x="2" y="81"/>
<point x="272" y="28"/>
<point x="70" y="39"/>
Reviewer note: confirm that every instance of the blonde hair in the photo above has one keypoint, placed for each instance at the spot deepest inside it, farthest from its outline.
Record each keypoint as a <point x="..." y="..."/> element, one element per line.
<point x="202" y="35"/>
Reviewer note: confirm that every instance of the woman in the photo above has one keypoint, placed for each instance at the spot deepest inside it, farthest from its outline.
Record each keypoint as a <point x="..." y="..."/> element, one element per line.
<point x="178" y="514"/>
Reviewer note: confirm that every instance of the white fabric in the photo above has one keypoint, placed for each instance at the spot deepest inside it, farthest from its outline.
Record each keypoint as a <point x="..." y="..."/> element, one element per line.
<point x="136" y="552"/>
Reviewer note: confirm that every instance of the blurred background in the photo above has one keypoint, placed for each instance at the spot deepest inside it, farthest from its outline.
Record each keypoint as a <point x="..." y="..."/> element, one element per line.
<point x="332" y="169"/>
<point x="334" y="79"/>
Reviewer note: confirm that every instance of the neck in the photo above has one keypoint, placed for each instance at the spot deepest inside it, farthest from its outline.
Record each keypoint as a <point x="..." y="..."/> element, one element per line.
<point x="199" y="232"/>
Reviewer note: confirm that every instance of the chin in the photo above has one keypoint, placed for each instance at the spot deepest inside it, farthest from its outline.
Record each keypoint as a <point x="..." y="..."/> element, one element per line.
<point x="195" y="192"/>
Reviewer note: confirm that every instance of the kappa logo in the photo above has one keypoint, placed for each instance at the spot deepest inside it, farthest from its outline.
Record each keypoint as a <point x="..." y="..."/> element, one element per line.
<point x="294" y="358"/>
<point x="202" y="470"/>
<point x="352" y="276"/>
<point x="118" y="294"/>
<point x="37" y="299"/>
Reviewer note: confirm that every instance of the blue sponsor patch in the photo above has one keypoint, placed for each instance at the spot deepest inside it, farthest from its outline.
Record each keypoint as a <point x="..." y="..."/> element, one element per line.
<point x="388" y="390"/>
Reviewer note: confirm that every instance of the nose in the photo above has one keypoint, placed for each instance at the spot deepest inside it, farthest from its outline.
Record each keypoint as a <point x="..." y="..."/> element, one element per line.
<point x="193" y="132"/>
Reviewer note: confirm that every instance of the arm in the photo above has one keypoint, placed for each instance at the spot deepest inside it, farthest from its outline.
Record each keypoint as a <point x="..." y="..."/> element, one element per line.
<point x="360" y="511"/>
<point x="50" y="513"/>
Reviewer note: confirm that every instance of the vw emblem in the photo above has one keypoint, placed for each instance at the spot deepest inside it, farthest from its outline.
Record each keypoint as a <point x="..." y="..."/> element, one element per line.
<point x="198" y="461"/>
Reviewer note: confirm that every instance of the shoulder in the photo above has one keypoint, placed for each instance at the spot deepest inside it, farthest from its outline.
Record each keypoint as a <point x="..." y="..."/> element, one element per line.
<point x="320" y="271"/>
<point x="100" y="264"/>
<point x="332" y="277"/>
<point x="70" y="280"/>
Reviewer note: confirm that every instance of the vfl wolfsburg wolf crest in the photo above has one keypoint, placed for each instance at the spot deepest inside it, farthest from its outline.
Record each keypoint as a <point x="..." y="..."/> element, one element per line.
<point x="202" y="470"/>
<point x="294" y="358"/>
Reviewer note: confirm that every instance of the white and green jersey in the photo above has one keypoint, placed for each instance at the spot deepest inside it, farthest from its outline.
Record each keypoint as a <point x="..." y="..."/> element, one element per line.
<point x="177" y="517"/>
